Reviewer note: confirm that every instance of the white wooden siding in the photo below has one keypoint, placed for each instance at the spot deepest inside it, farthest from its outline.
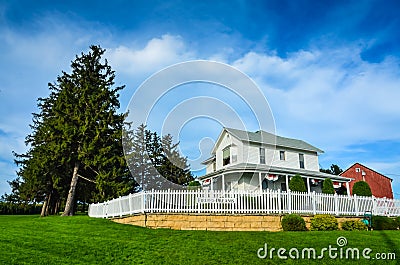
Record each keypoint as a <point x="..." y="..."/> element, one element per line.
<point x="209" y="168"/>
<point x="250" y="153"/>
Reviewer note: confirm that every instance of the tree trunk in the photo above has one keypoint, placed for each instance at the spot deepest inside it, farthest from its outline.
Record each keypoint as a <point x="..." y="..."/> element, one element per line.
<point x="45" y="206"/>
<point x="57" y="206"/>
<point x="69" y="205"/>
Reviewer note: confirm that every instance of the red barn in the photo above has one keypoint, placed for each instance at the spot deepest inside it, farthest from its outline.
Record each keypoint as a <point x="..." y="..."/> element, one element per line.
<point x="381" y="186"/>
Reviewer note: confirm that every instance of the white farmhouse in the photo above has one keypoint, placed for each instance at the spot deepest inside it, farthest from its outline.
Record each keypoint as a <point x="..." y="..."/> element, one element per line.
<point x="242" y="160"/>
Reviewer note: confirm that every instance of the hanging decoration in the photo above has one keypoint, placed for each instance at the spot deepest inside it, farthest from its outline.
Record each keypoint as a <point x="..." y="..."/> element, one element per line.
<point x="206" y="182"/>
<point x="272" y="177"/>
<point x="315" y="182"/>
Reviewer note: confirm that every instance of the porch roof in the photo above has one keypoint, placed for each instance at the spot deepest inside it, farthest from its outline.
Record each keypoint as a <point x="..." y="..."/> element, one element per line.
<point x="244" y="167"/>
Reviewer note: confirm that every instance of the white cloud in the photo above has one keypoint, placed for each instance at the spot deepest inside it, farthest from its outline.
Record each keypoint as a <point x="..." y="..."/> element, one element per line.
<point x="331" y="97"/>
<point x="157" y="54"/>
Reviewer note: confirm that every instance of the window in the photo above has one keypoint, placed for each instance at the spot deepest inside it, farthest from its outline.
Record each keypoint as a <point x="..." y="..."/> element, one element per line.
<point x="301" y="160"/>
<point x="262" y="155"/>
<point x="226" y="156"/>
<point x="357" y="169"/>
<point x="282" y="155"/>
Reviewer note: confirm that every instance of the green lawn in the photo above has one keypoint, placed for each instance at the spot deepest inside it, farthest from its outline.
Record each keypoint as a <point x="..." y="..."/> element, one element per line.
<point x="84" y="240"/>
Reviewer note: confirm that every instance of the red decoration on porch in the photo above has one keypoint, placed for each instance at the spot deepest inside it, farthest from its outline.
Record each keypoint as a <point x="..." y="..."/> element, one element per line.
<point x="272" y="177"/>
<point x="315" y="181"/>
<point x="206" y="181"/>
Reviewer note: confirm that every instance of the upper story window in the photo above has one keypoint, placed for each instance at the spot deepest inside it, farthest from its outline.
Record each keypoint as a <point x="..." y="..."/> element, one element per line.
<point x="301" y="160"/>
<point x="226" y="156"/>
<point x="357" y="169"/>
<point x="262" y="155"/>
<point x="282" y="155"/>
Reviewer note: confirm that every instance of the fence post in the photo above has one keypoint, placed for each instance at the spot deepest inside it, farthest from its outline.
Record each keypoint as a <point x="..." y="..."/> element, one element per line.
<point x="151" y="201"/>
<point x="336" y="204"/>
<point x="143" y="201"/>
<point x="289" y="200"/>
<point x="355" y="204"/>
<point x="374" y="205"/>
<point x="280" y="210"/>
<point x="106" y="210"/>
<point x="120" y="206"/>
<point x="130" y="203"/>
<point x="168" y="199"/>
<point x="314" y="203"/>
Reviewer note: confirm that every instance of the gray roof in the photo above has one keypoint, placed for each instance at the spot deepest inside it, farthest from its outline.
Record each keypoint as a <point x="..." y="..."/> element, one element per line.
<point x="263" y="137"/>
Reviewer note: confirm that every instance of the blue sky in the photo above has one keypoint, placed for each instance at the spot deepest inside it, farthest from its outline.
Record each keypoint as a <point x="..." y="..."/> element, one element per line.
<point x="330" y="70"/>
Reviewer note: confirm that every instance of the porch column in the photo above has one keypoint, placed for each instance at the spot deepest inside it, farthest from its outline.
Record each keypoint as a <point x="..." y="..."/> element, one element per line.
<point x="212" y="183"/>
<point x="308" y="184"/>
<point x="223" y="182"/>
<point x="287" y="182"/>
<point x="259" y="180"/>
<point x="348" y="188"/>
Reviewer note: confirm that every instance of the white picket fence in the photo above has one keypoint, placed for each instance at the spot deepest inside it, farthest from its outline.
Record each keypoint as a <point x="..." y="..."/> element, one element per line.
<point x="242" y="202"/>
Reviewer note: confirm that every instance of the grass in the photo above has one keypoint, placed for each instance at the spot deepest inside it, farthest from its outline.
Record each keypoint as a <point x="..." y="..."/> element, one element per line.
<point x="84" y="240"/>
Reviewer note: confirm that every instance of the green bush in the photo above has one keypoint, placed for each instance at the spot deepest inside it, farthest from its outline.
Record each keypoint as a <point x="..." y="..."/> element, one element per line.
<point x="324" y="222"/>
<point x="327" y="186"/>
<point x="296" y="183"/>
<point x="354" y="226"/>
<point x="383" y="223"/>
<point x="293" y="222"/>
<point x="194" y="185"/>
<point x="361" y="188"/>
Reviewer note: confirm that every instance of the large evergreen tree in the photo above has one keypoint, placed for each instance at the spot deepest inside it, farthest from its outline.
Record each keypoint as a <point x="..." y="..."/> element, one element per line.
<point x="77" y="133"/>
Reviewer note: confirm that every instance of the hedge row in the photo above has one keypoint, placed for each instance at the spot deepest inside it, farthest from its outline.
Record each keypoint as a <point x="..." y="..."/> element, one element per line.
<point x="325" y="222"/>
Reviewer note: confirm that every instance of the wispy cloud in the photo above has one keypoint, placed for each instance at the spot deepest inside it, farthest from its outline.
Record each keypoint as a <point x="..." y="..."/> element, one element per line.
<point x="331" y="96"/>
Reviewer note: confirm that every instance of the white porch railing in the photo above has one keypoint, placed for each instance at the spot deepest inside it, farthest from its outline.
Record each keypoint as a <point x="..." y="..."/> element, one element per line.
<point x="243" y="202"/>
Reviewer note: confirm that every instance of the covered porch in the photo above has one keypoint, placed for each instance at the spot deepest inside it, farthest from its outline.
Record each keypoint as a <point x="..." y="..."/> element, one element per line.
<point x="255" y="177"/>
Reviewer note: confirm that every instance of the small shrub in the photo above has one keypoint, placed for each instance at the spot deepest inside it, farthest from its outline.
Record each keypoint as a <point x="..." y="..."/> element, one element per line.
<point x="354" y="226"/>
<point x="327" y="186"/>
<point x="296" y="183"/>
<point x="293" y="222"/>
<point x="384" y="223"/>
<point x="361" y="188"/>
<point x="194" y="185"/>
<point x="324" y="222"/>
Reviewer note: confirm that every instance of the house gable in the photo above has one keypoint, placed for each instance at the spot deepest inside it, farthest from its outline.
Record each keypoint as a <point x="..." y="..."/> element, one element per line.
<point x="261" y="148"/>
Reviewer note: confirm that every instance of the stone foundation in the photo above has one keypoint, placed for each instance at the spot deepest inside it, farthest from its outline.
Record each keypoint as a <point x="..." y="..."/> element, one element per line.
<point x="213" y="222"/>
